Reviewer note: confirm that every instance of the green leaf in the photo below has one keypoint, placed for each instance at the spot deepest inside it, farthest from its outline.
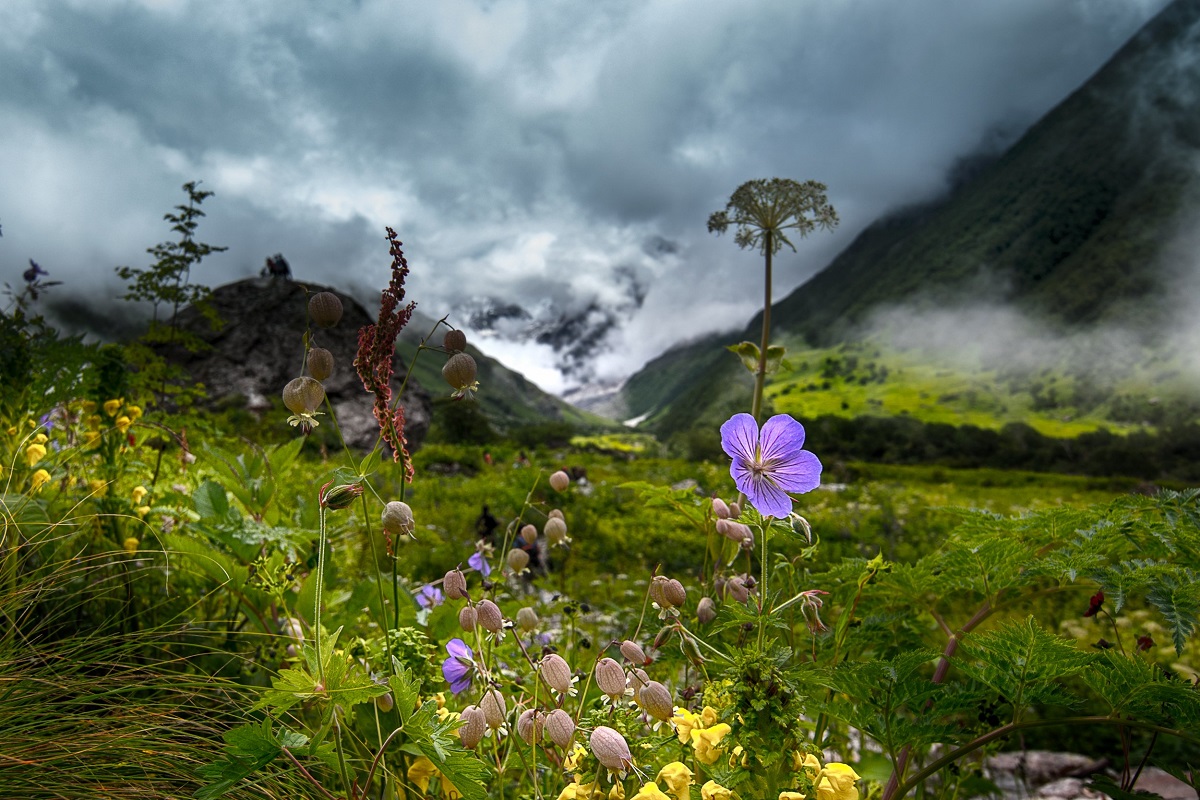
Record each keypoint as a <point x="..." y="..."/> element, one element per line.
<point x="748" y="352"/>
<point x="1177" y="597"/>
<point x="210" y="500"/>
<point x="282" y="456"/>
<point x="248" y="748"/>
<point x="775" y="354"/>
<point x="405" y="689"/>
<point x="370" y="463"/>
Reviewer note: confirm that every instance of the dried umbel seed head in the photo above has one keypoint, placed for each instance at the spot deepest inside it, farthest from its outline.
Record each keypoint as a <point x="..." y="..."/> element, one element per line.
<point x="460" y="371"/>
<point x="454" y="341"/>
<point x="494" y="708"/>
<point x="555" y="530"/>
<point x="517" y="559"/>
<point x="320" y="363"/>
<point x="527" y="619"/>
<point x="610" y="677"/>
<point x="489" y="616"/>
<point x="735" y="587"/>
<point x="656" y="700"/>
<point x="556" y="513"/>
<point x="559" y="481"/>
<point x="325" y="308"/>
<point x="556" y="672"/>
<point x="634" y="653"/>
<point x="303" y="395"/>
<point x="528" y="534"/>
<point x="474" y="726"/>
<point x="674" y="593"/>
<point x="560" y="728"/>
<point x="706" y="611"/>
<point x="385" y="702"/>
<point x="468" y="618"/>
<point x="398" y="518"/>
<point x="720" y="508"/>
<point x="611" y="749"/>
<point x="455" y="585"/>
<point x="530" y="725"/>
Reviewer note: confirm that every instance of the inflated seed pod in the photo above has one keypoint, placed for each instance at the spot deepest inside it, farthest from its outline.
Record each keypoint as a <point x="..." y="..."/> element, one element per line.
<point x="556" y="512"/>
<point x="528" y="534"/>
<point x="385" y="702"/>
<point x="559" y="481"/>
<point x="397" y="518"/>
<point x="494" y="708"/>
<point x="460" y="371"/>
<point x="706" y="611"/>
<point x="303" y="395"/>
<point x="517" y="559"/>
<point x="735" y="510"/>
<point x="560" y="728"/>
<point x="610" y="677"/>
<point x="656" y="700"/>
<point x="720" y="508"/>
<point x="527" y="619"/>
<point x="656" y="590"/>
<point x="735" y="587"/>
<point x="610" y="749"/>
<point x="674" y="593"/>
<point x="325" y="308"/>
<point x="634" y="653"/>
<point x="530" y="725"/>
<point x="320" y="363"/>
<point x="637" y="681"/>
<point x="468" y="618"/>
<point x="555" y="530"/>
<point x="489" y="615"/>
<point x="556" y="672"/>
<point x="454" y="341"/>
<point x="474" y="726"/>
<point x="455" y="585"/>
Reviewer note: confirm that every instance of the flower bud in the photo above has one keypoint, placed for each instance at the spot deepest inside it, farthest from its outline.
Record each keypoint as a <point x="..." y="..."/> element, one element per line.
<point x="385" y="702"/>
<point x="320" y="363"/>
<point x="656" y="700"/>
<point x="720" y="508"/>
<point x="455" y="585"/>
<point x="634" y="653"/>
<point x="735" y="531"/>
<point x="556" y="513"/>
<point x="454" y="341"/>
<point x="527" y="619"/>
<point x="610" y="677"/>
<point x="517" y="559"/>
<point x="663" y="636"/>
<point x="674" y="593"/>
<point x="611" y="749"/>
<point x="336" y="498"/>
<point x="530" y="724"/>
<point x="802" y="527"/>
<point x="398" y="518"/>
<point x="468" y="618"/>
<point x="528" y="534"/>
<point x="325" y="308"/>
<point x="460" y="371"/>
<point x="494" y="708"/>
<point x="706" y="611"/>
<point x="130" y="545"/>
<point x="474" y="726"/>
<point x="559" y="481"/>
<point x="735" y="587"/>
<point x="489" y="616"/>
<point x="303" y="395"/>
<point x="560" y="728"/>
<point x="735" y="510"/>
<point x="556" y="672"/>
<point x="555" y="530"/>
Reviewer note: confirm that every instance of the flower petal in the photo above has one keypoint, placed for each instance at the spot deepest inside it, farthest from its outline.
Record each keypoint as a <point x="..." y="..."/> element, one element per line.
<point x="743" y="478"/>
<point x="799" y="472"/>
<point x="739" y="437"/>
<point x="459" y="649"/>
<point x="780" y="435"/>
<point x="769" y="499"/>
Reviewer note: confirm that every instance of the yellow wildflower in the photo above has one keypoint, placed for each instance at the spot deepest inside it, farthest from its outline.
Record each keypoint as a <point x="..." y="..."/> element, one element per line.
<point x="790" y="796"/>
<point x="12" y="431"/>
<point x="111" y="407"/>
<point x="837" y="783"/>
<point x="577" y="754"/>
<point x="708" y="717"/>
<point x="123" y="422"/>
<point x="130" y="545"/>
<point x="738" y="756"/>
<point x="420" y="772"/>
<point x="134" y="412"/>
<point x="91" y="439"/>
<point x="706" y="741"/>
<point x="449" y="790"/>
<point x="617" y="792"/>
<point x="93" y="422"/>
<point x="38" y="479"/>
<point x="809" y="763"/>
<point x="677" y="777"/>
<point x="440" y="699"/>
<point x="684" y="721"/>
<point x="98" y="488"/>
<point x="650" y="791"/>
<point x="142" y="511"/>
<point x="35" y="453"/>
<point x="138" y="493"/>
<point x="88" y="406"/>
<point x="41" y="438"/>
<point x="715" y="791"/>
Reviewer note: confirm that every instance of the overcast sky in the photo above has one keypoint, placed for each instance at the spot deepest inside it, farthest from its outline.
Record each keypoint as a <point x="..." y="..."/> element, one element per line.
<point x="561" y="156"/>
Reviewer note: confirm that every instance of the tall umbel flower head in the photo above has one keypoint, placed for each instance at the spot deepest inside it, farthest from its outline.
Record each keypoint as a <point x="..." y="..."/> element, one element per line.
<point x="377" y="349"/>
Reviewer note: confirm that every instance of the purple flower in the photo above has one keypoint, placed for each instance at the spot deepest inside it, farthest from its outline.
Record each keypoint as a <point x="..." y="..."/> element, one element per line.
<point x="479" y="563"/>
<point x="769" y="464"/>
<point x="459" y="668"/>
<point x="429" y="596"/>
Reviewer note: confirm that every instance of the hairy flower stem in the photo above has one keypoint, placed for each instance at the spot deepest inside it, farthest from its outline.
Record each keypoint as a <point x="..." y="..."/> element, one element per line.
<point x="762" y="584"/>
<point x="317" y="593"/>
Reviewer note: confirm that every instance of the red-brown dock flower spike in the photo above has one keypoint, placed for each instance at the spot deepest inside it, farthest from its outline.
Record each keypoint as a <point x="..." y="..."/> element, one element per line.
<point x="376" y="351"/>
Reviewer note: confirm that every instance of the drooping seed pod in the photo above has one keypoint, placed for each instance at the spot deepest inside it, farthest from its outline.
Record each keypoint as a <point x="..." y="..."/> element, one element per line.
<point x="454" y="341"/>
<point x="455" y="585"/>
<point x="556" y="513"/>
<point x="674" y="593"/>
<point x="656" y="590"/>
<point x="638" y="679"/>
<point x="735" y="587"/>
<point x="735" y="510"/>
<point x="494" y="708"/>
<point x="530" y="725"/>
<point x="734" y="531"/>
<point x="663" y="636"/>
<point x="528" y="534"/>
<point x="468" y="618"/>
<point x="489" y="615"/>
<point x="460" y="371"/>
<point x="555" y="530"/>
<point x="610" y="677"/>
<point x="656" y="700"/>
<point x="303" y="395"/>
<point x="559" y="481"/>
<point x="320" y="363"/>
<point x="398" y="518"/>
<point x="517" y="559"/>
<point x="634" y="653"/>
<point x="527" y="619"/>
<point x="706" y="611"/>
<point x="720" y="508"/>
<point x="385" y="702"/>
<point x="610" y="749"/>
<point x="560" y="728"/>
<point x="556" y="672"/>
<point x="474" y="726"/>
<point x="325" y="308"/>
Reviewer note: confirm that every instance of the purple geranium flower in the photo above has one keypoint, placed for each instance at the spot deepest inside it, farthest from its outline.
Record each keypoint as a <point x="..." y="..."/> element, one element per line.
<point x="769" y="464"/>
<point x="429" y="596"/>
<point x="459" y="668"/>
<point x="478" y="562"/>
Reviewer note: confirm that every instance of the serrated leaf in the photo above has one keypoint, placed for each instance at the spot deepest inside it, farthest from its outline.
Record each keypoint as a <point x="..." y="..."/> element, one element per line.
<point x="1177" y="598"/>
<point x="405" y="689"/>
<point x="210" y="500"/>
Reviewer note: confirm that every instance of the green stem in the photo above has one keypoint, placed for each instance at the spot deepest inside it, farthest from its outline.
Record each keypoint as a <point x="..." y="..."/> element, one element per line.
<point x="760" y="375"/>
<point x="762" y="584"/>
<point x="317" y="610"/>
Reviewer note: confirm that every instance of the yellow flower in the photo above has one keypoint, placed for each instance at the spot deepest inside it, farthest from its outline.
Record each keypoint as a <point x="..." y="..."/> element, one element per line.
<point x="39" y="478"/>
<point x="440" y="699"/>
<point x="738" y="756"/>
<point x="130" y="545"/>
<point x="715" y="791"/>
<point x="41" y="438"/>
<point x="790" y="796"/>
<point x="12" y="431"/>
<point x="708" y="717"/>
<point x="809" y="763"/>
<point x="142" y="511"/>
<point x="706" y="741"/>
<point x="134" y="412"/>
<point x="111" y="407"/>
<point x="837" y="783"/>
<point x="91" y="439"/>
<point x="88" y="406"/>
<point x="571" y="762"/>
<point x="35" y="453"/>
<point x="93" y="422"/>
<point x="420" y="772"/>
<point x="650" y="791"/>
<point x="123" y="422"/>
<point x="138" y="493"/>
<point x="98" y="487"/>
<point x="449" y="790"/>
<point x="677" y="777"/>
<point x="617" y="792"/>
<point x="684" y="721"/>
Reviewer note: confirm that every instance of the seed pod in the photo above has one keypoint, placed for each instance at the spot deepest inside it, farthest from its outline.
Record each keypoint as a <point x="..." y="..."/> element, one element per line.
<point x="656" y="700"/>
<point x="530" y="724"/>
<point x="559" y="481"/>
<point x="674" y="593"/>
<point x="528" y="534"/>
<point x="720" y="508"/>
<point x="325" y="308"/>
<point x="303" y="395"/>
<point x="489" y="616"/>
<point x="656" y="591"/>
<point x="560" y="728"/>
<point x="610" y="677"/>
<point x="555" y="530"/>
<point x="706" y="611"/>
<point x="556" y="513"/>
<point x="468" y="618"/>
<point x="734" y="531"/>
<point x="611" y="749"/>
<point x="735" y="510"/>
<point x="527" y="619"/>
<point x="634" y="653"/>
<point x="339" y="497"/>
<point x="320" y="363"/>
<point x="460" y="371"/>
<point x="662" y="636"/>
<point x="454" y="341"/>
<point x="494" y="708"/>
<point x="517" y="559"/>
<point x="474" y="726"/>
<point x="556" y="672"/>
<point x="398" y="518"/>
<point x="455" y="585"/>
<point x="735" y="587"/>
<point x="638" y="679"/>
<point x="385" y="702"/>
